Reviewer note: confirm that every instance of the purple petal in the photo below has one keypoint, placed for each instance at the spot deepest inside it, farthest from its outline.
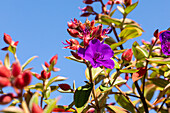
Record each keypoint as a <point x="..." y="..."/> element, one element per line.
<point x="165" y="47"/>
<point x="106" y="51"/>
<point x="164" y="35"/>
<point x="107" y="63"/>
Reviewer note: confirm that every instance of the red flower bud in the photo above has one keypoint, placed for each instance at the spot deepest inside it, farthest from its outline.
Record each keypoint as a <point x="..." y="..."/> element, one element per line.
<point x="72" y="25"/>
<point x="73" y="32"/>
<point x="38" y="76"/>
<point x="36" y="108"/>
<point x="6" y="98"/>
<point x="128" y="2"/>
<point x="4" y="71"/>
<point x="23" y="80"/>
<point x="54" y="59"/>
<point x="73" y="44"/>
<point x="109" y="2"/>
<point x="16" y="69"/>
<point x="45" y="75"/>
<point x="64" y="87"/>
<point x="47" y="65"/>
<point x="7" y="38"/>
<point x="88" y="1"/>
<point x="127" y="55"/>
<point x="4" y="82"/>
<point x="127" y="76"/>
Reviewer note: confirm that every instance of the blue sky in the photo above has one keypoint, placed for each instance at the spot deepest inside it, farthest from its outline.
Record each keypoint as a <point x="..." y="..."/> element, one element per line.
<point x="40" y="26"/>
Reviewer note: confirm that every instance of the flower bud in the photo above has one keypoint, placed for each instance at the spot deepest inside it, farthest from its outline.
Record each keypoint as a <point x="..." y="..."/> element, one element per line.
<point x="64" y="87"/>
<point x="36" y="108"/>
<point x="54" y="59"/>
<point x="88" y="1"/>
<point x="73" y="32"/>
<point x="16" y="69"/>
<point x="6" y="98"/>
<point x="128" y="2"/>
<point x="4" y="82"/>
<point x="71" y="25"/>
<point x="127" y="55"/>
<point x="38" y="76"/>
<point x="4" y="71"/>
<point x="47" y="65"/>
<point x="45" y="75"/>
<point x="127" y="76"/>
<point x="7" y="38"/>
<point x="23" y="80"/>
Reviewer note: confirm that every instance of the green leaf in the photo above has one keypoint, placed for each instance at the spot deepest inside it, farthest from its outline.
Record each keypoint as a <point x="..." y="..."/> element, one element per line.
<point x="28" y="61"/>
<point x="122" y="101"/>
<point x="47" y="92"/>
<point x="129" y="70"/>
<point x="12" y="49"/>
<point x="109" y="20"/>
<point x="12" y="109"/>
<point x="165" y="90"/>
<point x="113" y="46"/>
<point x="50" y="106"/>
<point x="54" y="88"/>
<point x="95" y="72"/>
<point x="38" y="86"/>
<point x="116" y="109"/>
<point x="121" y="9"/>
<point x="111" y="14"/>
<point x="136" y="52"/>
<point x="159" y="60"/>
<point x="130" y="8"/>
<point x="34" y="99"/>
<point x="7" y="61"/>
<point x="105" y="88"/>
<point x="116" y="64"/>
<point x="109" y="41"/>
<point x="159" y="82"/>
<point x="81" y="96"/>
<point x="167" y="74"/>
<point x="116" y="52"/>
<point x="143" y="51"/>
<point x="55" y="79"/>
<point x="130" y="32"/>
<point x="149" y="91"/>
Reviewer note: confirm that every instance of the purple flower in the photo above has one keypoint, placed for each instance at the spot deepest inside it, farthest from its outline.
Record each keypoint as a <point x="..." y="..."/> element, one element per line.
<point x="165" y="42"/>
<point x="98" y="54"/>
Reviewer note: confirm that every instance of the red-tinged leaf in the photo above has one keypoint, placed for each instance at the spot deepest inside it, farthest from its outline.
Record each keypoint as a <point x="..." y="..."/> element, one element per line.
<point x="59" y="108"/>
<point x="85" y="14"/>
<point x="16" y="43"/>
<point x="136" y="77"/>
<point x="5" y="49"/>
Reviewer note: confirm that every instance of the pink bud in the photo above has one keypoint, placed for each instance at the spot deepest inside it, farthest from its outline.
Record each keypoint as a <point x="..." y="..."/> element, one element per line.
<point x="54" y="59"/>
<point x="110" y="2"/>
<point x="64" y="87"/>
<point x="4" y="82"/>
<point x="7" y="38"/>
<point x="38" y="76"/>
<point x="4" y="71"/>
<point x="73" y="32"/>
<point x="47" y="65"/>
<point x="6" y="98"/>
<point x="45" y="75"/>
<point x="127" y="55"/>
<point x="23" y="80"/>
<point x="16" y="69"/>
<point x="36" y="108"/>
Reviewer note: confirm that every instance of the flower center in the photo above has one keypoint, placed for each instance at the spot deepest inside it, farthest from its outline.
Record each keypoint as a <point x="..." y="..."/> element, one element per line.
<point x="98" y="55"/>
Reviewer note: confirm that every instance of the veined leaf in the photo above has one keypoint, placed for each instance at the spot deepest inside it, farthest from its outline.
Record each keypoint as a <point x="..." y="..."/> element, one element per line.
<point x="7" y="61"/>
<point x="116" y="109"/>
<point x="55" y="79"/>
<point x="121" y="9"/>
<point x="34" y="99"/>
<point x="81" y="96"/>
<point x="159" y="60"/>
<point x="130" y="8"/>
<point x="50" y="106"/>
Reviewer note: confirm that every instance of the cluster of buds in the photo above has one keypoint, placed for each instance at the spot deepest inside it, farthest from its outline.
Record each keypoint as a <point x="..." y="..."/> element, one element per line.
<point x="46" y="72"/>
<point x="8" y="40"/>
<point x="85" y="32"/>
<point x="15" y="77"/>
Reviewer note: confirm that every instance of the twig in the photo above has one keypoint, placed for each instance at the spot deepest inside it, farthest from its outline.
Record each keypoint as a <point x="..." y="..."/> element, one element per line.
<point x="163" y="103"/>
<point x="125" y="93"/>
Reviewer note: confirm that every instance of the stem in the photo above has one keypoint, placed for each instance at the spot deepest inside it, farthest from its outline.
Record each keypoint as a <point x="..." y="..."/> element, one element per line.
<point x="93" y="89"/>
<point x="127" y="98"/>
<point x="125" y="93"/>
<point x="147" y="62"/>
<point x="142" y="98"/>
<point x="115" y="33"/>
<point x="124" y="17"/>
<point x="163" y="104"/>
